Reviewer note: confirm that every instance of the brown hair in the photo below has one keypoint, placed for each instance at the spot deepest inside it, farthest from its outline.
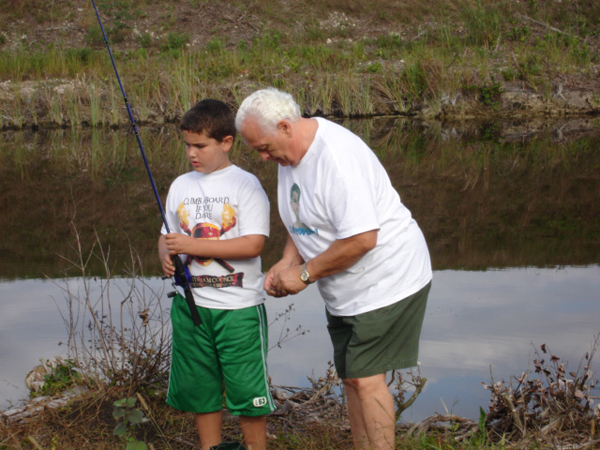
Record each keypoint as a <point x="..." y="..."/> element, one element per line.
<point x="212" y="117"/>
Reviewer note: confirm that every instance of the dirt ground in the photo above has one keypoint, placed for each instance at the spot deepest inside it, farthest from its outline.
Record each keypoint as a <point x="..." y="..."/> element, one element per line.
<point x="67" y="23"/>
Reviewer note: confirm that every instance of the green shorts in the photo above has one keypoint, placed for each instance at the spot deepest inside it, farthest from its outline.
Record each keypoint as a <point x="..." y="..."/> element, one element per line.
<point x="378" y="341"/>
<point x="225" y="357"/>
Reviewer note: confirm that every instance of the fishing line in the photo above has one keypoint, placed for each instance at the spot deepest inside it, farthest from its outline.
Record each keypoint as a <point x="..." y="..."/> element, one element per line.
<point x="181" y="273"/>
<point x="132" y="120"/>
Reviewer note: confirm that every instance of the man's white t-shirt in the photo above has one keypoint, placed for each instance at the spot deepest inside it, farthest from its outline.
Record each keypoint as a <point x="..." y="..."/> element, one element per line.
<point x="338" y="190"/>
<point x="225" y="204"/>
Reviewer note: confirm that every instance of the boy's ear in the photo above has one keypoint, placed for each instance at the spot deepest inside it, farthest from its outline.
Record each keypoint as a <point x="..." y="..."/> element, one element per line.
<point x="227" y="142"/>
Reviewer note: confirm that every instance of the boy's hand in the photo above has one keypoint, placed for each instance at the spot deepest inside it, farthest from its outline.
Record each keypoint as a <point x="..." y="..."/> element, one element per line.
<point x="178" y="243"/>
<point x="168" y="266"/>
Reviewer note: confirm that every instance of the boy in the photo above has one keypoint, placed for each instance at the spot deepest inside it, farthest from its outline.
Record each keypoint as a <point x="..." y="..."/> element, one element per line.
<point x="218" y="216"/>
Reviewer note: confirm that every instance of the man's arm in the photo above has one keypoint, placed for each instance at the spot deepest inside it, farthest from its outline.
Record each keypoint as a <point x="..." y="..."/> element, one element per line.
<point x="340" y="255"/>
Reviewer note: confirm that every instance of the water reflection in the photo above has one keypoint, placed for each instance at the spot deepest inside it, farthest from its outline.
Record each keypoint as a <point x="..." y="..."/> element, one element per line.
<point x="477" y="322"/>
<point x="494" y="203"/>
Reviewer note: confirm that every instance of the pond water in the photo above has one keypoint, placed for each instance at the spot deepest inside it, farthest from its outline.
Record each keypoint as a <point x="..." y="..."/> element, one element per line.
<point x="512" y="222"/>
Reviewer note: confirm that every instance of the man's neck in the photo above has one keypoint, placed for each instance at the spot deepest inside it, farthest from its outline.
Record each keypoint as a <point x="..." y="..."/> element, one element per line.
<point x="307" y="131"/>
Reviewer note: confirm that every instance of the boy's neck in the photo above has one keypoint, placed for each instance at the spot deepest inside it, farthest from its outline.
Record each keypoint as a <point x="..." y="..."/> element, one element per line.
<point x="225" y="165"/>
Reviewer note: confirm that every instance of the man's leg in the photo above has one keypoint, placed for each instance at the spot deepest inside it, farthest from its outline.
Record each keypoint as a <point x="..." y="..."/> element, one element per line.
<point x="357" y="424"/>
<point x="209" y="429"/>
<point x="371" y="412"/>
<point x="254" y="430"/>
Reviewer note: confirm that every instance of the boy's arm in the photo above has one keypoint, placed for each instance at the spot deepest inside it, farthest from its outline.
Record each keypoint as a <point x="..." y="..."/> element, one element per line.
<point x="165" y="258"/>
<point x="243" y="247"/>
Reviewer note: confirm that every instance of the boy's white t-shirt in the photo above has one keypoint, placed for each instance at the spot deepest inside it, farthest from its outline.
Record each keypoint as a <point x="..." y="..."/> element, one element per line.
<point x="225" y="204"/>
<point x="345" y="191"/>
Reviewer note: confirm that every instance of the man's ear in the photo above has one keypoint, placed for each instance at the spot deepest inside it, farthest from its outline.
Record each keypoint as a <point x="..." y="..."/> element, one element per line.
<point x="285" y="127"/>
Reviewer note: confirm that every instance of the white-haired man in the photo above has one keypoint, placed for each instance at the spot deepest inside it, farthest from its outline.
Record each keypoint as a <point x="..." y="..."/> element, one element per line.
<point x="349" y="232"/>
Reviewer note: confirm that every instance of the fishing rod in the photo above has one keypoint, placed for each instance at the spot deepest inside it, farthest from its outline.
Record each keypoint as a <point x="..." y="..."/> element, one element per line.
<point x="181" y="273"/>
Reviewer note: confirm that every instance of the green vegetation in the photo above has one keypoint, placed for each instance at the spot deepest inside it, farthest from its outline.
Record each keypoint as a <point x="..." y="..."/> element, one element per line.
<point x="63" y="377"/>
<point x="128" y="416"/>
<point x="356" y="59"/>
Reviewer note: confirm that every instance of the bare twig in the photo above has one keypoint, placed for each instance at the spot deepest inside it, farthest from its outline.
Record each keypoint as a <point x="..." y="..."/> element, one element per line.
<point x="541" y="23"/>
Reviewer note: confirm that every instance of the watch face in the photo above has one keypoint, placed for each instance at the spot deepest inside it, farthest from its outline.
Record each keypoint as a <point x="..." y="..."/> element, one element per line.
<point x="304" y="276"/>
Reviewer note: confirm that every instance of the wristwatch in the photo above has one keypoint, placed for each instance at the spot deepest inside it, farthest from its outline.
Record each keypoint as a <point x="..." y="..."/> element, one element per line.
<point x="304" y="275"/>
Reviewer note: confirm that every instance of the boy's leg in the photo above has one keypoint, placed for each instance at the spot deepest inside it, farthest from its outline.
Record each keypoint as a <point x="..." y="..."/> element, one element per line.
<point x="195" y="381"/>
<point x="254" y="430"/>
<point x="242" y="348"/>
<point x="209" y="428"/>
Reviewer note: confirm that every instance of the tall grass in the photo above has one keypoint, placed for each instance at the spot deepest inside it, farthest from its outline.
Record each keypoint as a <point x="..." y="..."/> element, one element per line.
<point x="333" y="70"/>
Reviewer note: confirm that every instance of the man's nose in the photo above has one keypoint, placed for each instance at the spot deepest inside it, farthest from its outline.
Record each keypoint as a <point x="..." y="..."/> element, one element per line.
<point x="264" y="156"/>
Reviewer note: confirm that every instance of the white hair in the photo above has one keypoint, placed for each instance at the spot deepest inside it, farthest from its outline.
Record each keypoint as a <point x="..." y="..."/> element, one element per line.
<point x="267" y="107"/>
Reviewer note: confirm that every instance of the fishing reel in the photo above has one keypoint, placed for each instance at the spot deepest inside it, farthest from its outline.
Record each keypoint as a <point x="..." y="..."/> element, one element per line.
<point x="182" y="277"/>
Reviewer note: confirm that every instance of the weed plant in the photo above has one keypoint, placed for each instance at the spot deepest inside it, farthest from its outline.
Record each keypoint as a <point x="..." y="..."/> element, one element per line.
<point x="124" y="342"/>
<point x="551" y="401"/>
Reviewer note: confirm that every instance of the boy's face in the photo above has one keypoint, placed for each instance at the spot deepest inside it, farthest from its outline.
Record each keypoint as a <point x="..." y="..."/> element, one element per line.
<point x="206" y="154"/>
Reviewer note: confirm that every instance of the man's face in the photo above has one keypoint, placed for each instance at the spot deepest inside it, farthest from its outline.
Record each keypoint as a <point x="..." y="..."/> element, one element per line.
<point x="206" y="154"/>
<point x="274" y="146"/>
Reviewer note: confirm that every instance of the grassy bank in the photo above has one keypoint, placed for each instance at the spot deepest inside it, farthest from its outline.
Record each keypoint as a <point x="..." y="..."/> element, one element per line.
<point x="452" y="58"/>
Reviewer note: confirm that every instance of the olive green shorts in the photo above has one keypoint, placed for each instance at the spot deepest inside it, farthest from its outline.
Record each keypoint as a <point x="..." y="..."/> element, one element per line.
<point x="225" y="357"/>
<point x="378" y="341"/>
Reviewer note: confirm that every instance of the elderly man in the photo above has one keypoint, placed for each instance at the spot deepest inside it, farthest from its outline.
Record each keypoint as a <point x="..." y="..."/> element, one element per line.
<point x="349" y="232"/>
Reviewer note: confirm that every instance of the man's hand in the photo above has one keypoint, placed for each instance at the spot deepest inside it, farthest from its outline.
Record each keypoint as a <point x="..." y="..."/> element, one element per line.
<point x="273" y="279"/>
<point x="291" y="258"/>
<point x="288" y="282"/>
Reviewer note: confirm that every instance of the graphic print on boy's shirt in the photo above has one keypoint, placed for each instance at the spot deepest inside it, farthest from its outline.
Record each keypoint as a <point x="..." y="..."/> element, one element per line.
<point x="298" y="227"/>
<point x="208" y="230"/>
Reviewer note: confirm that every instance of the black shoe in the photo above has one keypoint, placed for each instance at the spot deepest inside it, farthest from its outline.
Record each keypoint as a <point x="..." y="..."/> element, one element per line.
<point x="229" y="446"/>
